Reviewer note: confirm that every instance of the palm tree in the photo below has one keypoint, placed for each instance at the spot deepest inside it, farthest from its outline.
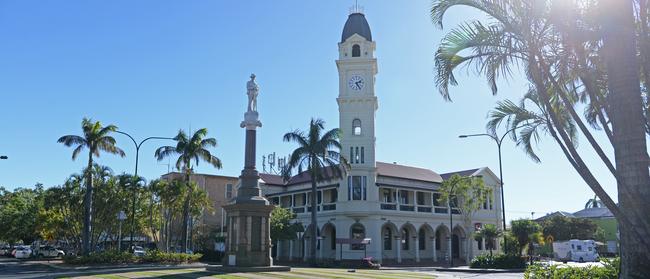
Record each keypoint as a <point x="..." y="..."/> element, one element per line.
<point x="189" y="150"/>
<point x="96" y="138"/>
<point x="318" y="155"/>
<point x="490" y="233"/>
<point x="527" y="34"/>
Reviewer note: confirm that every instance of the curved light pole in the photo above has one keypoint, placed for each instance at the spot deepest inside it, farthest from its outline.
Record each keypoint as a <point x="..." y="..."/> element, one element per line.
<point x="498" y="141"/>
<point x="3" y="157"/>
<point x="135" y="178"/>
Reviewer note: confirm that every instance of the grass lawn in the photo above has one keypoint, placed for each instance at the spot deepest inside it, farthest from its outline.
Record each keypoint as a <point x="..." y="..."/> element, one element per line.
<point x="295" y="273"/>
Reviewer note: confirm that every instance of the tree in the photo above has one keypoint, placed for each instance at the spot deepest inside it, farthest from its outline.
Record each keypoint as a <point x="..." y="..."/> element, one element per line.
<point x="18" y="214"/>
<point x="467" y="194"/>
<point x="96" y="138"/>
<point x="188" y="150"/>
<point x="319" y="156"/>
<point x="571" y="56"/>
<point x="281" y="226"/>
<point x="527" y="233"/>
<point x="563" y="228"/>
<point x="628" y="124"/>
<point x="490" y="233"/>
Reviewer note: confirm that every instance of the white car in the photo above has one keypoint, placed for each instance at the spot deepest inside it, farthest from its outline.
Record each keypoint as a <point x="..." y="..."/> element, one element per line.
<point x="138" y="251"/>
<point x="22" y="252"/>
<point x="49" y="251"/>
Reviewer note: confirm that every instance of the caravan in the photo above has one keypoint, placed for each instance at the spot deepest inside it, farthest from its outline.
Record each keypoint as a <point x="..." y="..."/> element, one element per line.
<point x="575" y="250"/>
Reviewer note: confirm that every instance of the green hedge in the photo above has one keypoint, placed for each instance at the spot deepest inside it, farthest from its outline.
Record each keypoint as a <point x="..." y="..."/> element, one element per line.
<point x="501" y="261"/>
<point x="114" y="257"/>
<point x="610" y="269"/>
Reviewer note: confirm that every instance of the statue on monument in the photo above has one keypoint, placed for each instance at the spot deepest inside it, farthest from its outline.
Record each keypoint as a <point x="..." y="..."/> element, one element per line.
<point x="253" y="90"/>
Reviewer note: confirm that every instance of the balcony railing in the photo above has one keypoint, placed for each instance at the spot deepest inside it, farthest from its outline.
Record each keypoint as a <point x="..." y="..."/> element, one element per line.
<point x="440" y="210"/>
<point x="329" y="207"/>
<point x="424" y="209"/>
<point x="298" y="210"/>
<point x="388" y="206"/>
<point x="406" y="208"/>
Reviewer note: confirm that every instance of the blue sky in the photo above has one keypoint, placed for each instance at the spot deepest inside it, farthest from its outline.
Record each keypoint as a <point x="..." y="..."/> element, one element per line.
<point x="154" y="67"/>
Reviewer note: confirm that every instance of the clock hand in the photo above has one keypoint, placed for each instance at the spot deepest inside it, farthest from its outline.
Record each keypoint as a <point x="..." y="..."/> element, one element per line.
<point x="358" y="86"/>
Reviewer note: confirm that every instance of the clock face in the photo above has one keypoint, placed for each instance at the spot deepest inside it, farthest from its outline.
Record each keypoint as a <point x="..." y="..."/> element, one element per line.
<point x="356" y="83"/>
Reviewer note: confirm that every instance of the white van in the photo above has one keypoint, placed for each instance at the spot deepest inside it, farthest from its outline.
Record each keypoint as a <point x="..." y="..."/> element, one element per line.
<point x="575" y="250"/>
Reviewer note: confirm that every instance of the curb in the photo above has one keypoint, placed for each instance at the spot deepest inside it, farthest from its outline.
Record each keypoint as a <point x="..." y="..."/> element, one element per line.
<point x="480" y="270"/>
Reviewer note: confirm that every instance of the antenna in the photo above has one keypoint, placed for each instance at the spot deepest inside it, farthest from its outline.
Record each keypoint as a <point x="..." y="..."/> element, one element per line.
<point x="356" y="9"/>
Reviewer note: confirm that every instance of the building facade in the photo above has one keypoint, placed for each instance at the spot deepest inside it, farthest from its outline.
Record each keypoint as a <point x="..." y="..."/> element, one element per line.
<point x="391" y="206"/>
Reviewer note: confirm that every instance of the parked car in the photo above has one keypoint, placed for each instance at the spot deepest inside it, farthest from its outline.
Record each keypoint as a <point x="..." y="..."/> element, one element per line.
<point x="138" y="251"/>
<point x="6" y="251"/>
<point x="22" y="252"/>
<point x="50" y="252"/>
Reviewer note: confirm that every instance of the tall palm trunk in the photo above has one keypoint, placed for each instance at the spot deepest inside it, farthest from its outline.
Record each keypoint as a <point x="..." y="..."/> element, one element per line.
<point x="626" y="114"/>
<point x="186" y="214"/>
<point x="314" y="222"/>
<point x="88" y="206"/>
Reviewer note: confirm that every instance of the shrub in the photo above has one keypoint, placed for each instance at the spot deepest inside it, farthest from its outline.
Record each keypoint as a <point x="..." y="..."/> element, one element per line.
<point x="114" y="257"/>
<point x="211" y="256"/>
<point x="501" y="261"/>
<point x="610" y="269"/>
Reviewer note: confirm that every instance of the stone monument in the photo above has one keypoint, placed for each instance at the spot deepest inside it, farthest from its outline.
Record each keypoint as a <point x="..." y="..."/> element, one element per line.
<point x="249" y="239"/>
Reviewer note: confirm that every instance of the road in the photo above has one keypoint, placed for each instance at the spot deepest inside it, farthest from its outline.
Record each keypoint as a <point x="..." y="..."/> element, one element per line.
<point x="19" y="269"/>
<point x="13" y="268"/>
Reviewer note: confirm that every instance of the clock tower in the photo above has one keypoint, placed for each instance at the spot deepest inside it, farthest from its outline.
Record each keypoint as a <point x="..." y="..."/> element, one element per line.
<point x="357" y="103"/>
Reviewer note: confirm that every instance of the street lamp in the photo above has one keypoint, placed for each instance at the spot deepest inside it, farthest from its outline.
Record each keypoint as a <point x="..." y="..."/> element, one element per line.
<point x="135" y="179"/>
<point x="3" y="157"/>
<point x="498" y="141"/>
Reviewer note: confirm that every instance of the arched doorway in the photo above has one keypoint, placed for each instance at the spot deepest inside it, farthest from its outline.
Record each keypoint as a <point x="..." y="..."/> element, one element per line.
<point x="389" y="235"/>
<point x="442" y="243"/>
<point x="328" y="242"/>
<point x="455" y="246"/>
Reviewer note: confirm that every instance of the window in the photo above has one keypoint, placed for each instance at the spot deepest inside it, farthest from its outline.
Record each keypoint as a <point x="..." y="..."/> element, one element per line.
<point x="490" y="201"/>
<point x="436" y="199"/>
<point x="319" y="197"/>
<point x="356" y="51"/>
<point x="579" y="247"/>
<point x="404" y="197"/>
<point x="356" y="155"/>
<point x="479" y="241"/>
<point x="405" y="239"/>
<point x="358" y="233"/>
<point x="420" y="198"/>
<point x="228" y="191"/>
<point x="387" y="195"/>
<point x="388" y="239"/>
<point x="356" y="127"/>
<point x="422" y="240"/>
<point x="438" y="236"/>
<point x="362" y="161"/>
<point x="333" y="239"/>
<point x="351" y="155"/>
<point x="357" y="187"/>
<point x="334" y="195"/>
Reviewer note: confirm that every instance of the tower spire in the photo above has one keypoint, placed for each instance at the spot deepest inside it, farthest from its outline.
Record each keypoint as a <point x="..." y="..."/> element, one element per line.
<point x="356" y="9"/>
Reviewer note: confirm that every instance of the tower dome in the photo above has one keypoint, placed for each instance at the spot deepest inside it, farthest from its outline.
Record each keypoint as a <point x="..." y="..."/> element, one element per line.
<point x="356" y="24"/>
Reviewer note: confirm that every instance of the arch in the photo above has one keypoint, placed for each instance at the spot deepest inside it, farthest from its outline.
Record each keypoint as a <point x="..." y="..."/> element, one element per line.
<point x="356" y="127"/>
<point x="356" y="50"/>
<point x="328" y="232"/>
<point x="459" y="230"/>
<point x="388" y="233"/>
<point x="407" y="233"/>
<point x="425" y="232"/>
<point x="441" y="234"/>
<point x="357" y="232"/>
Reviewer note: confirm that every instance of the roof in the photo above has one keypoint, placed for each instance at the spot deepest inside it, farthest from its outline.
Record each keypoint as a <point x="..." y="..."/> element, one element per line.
<point x="556" y="213"/>
<point x="595" y="212"/>
<point x="448" y="175"/>
<point x="356" y="24"/>
<point x="278" y="180"/>
<point x="407" y="172"/>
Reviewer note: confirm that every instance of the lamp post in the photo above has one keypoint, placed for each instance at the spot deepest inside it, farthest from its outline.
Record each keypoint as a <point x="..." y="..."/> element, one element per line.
<point x="498" y="141"/>
<point x="135" y="179"/>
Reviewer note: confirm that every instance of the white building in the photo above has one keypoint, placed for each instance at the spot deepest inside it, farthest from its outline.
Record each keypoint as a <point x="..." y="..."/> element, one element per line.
<point x="393" y="205"/>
